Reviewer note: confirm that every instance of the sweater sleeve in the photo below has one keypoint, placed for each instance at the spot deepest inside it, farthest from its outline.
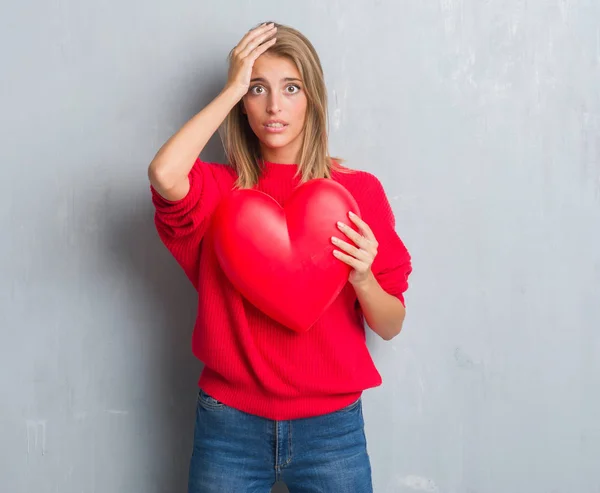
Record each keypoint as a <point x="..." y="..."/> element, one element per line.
<point x="392" y="265"/>
<point x="181" y="224"/>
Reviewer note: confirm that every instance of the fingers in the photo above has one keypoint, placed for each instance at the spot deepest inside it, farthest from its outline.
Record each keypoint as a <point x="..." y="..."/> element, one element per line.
<point x="358" y="239"/>
<point x="253" y="39"/>
<point x="258" y="51"/>
<point x="361" y="255"/>
<point x="351" y="250"/>
<point x="362" y="226"/>
<point x="257" y="43"/>
<point x="250" y="35"/>
<point x="351" y="261"/>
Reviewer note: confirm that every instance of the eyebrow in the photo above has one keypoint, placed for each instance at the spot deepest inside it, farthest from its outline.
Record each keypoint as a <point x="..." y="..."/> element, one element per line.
<point x="286" y="79"/>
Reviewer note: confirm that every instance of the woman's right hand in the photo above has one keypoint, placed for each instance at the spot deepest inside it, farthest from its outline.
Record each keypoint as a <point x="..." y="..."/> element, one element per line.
<point x="251" y="46"/>
<point x="169" y="170"/>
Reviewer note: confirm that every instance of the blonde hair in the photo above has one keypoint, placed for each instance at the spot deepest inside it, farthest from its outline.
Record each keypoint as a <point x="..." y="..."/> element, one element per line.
<point x="241" y="144"/>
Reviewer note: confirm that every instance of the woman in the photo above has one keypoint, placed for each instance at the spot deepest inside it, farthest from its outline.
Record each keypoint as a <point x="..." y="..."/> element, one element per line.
<point x="275" y="404"/>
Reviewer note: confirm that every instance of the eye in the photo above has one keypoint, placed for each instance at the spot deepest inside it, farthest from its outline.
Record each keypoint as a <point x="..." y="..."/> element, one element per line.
<point x="257" y="89"/>
<point x="295" y="89"/>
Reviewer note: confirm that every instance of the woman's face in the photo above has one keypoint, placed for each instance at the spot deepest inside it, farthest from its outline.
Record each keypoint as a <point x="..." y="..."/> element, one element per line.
<point x="276" y="107"/>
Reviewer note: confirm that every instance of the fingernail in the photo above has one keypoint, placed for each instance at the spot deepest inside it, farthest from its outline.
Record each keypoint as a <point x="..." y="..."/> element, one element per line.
<point x="351" y="214"/>
<point x="340" y="224"/>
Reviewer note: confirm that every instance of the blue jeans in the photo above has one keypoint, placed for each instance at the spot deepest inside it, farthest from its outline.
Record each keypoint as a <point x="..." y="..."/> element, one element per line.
<point x="236" y="452"/>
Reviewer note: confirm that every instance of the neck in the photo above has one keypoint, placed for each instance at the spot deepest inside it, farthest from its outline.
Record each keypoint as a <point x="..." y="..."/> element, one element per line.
<point x="283" y="155"/>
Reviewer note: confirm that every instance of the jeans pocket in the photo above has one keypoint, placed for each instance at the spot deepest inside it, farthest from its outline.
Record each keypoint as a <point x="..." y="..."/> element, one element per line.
<point x="209" y="402"/>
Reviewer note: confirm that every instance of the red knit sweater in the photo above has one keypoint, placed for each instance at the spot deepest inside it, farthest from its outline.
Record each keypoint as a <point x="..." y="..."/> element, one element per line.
<point x="251" y="362"/>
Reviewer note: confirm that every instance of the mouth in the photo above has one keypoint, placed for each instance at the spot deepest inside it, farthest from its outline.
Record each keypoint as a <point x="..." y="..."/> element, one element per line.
<point x="275" y="126"/>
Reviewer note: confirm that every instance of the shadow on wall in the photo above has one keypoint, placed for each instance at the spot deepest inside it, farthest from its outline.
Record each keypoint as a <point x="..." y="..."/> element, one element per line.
<point x="164" y="305"/>
<point x="164" y="313"/>
<point x="163" y="308"/>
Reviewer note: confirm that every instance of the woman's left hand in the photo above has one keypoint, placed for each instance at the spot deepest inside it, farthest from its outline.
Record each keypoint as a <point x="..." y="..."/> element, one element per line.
<point x="361" y="254"/>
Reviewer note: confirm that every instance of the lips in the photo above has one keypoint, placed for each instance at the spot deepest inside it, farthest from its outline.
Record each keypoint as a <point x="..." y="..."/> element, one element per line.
<point x="275" y="126"/>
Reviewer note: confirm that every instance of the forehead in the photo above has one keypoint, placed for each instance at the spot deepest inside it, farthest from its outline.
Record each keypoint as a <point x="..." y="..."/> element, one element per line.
<point x="274" y="68"/>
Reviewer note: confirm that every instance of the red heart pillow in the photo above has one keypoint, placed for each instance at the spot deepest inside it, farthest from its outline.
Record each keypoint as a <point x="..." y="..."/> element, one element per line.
<point x="281" y="259"/>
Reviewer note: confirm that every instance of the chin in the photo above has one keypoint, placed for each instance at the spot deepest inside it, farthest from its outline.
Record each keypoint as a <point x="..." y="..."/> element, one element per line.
<point x="275" y="143"/>
<point x="270" y="145"/>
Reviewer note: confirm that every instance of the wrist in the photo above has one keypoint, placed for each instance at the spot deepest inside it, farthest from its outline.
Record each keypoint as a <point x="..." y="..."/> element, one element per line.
<point x="368" y="283"/>
<point x="233" y="94"/>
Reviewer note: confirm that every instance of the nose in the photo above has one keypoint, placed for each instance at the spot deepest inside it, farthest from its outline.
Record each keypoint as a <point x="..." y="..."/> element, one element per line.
<point x="273" y="103"/>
